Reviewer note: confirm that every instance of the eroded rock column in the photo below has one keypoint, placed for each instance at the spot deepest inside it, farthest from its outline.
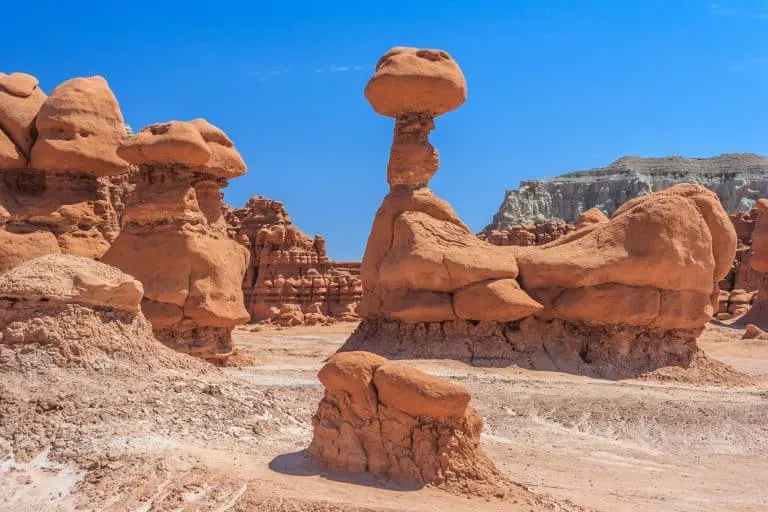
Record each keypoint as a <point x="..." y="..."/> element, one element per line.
<point x="174" y="237"/>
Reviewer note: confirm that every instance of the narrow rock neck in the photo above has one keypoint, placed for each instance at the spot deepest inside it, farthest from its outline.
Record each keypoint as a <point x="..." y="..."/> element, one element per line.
<point x="412" y="160"/>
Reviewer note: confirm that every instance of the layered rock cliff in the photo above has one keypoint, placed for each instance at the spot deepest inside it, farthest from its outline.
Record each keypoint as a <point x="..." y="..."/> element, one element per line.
<point x="738" y="179"/>
<point x="290" y="280"/>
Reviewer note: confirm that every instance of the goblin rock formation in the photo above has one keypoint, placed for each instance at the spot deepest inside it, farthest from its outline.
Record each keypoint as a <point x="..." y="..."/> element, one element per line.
<point x="399" y="423"/>
<point x="290" y="280"/>
<point x="419" y="253"/>
<point x="614" y="298"/>
<point x="737" y="179"/>
<point x="174" y="237"/>
<point x="74" y="181"/>
<point x="56" y="195"/>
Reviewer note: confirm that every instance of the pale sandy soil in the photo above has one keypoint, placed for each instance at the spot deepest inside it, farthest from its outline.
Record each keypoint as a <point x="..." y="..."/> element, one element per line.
<point x="233" y="442"/>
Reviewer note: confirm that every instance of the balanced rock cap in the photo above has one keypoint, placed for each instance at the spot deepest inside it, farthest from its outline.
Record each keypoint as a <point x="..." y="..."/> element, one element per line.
<point x="80" y="127"/>
<point x="416" y="80"/>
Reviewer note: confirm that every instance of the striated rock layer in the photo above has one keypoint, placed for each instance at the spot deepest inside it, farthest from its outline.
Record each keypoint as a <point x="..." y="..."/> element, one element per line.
<point x="290" y="280"/>
<point x="737" y="179"/>
<point x="73" y="180"/>
<point x="401" y="424"/>
<point x="616" y="297"/>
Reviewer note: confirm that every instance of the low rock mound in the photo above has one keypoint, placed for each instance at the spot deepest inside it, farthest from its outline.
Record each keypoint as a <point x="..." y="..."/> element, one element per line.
<point x="401" y="424"/>
<point x="69" y="311"/>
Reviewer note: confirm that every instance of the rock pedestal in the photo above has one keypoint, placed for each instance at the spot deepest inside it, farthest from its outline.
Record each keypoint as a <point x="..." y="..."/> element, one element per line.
<point x="174" y="236"/>
<point x="614" y="298"/>
<point x="398" y="423"/>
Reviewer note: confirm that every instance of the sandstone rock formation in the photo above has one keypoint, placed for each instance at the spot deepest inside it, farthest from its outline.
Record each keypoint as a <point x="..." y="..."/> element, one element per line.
<point x="174" y="237"/>
<point x="539" y="233"/>
<point x="399" y="423"/>
<point x="419" y="253"/>
<point x="290" y="280"/>
<point x="71" y="311"/>
<point x="62" y="193"/>
<point x="737" y="179"/>
<point x="615" y="297"/>
<point x="76" y="182"/>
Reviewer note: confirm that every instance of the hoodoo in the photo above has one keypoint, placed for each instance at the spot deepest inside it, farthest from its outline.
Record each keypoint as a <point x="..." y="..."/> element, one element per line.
<point x="76" y="182"/>
<point x="399" y="423"/>
<point x="614" y="298"/>
<point x="174" y="236"/>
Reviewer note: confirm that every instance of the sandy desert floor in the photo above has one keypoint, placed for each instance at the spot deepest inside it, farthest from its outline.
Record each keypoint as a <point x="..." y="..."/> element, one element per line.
<point x="234" y="441"/>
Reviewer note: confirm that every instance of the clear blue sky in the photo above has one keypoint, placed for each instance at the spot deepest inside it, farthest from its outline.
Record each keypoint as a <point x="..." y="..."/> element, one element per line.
<point x="554" y="86"/>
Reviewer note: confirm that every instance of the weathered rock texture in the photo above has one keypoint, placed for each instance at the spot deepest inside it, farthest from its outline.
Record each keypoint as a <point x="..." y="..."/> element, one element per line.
<point x="64" y="192"/>
<point x="290" y="280"/>
<point x="174" y="237"/>
<point x="74" y="181"/>
<point x="737" y="179"/>
<point x="399" y="423"/>
<point x="539" y="233"/>
<point x="71" y="311"/>
<point x="614" y="298"/>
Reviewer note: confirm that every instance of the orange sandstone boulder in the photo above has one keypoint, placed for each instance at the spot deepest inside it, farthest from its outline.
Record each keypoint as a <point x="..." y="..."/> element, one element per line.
<point x="416" y="80"/>
<point x="79" y="128"/>
<point x="661" y="241"/>
<point x="20" y="101"/>
<point x="592" y="216"/>
<point x="15" y="248"/>
<point x="500" y="300"/>
<point x="418" y="394"/>
<point x="168" y="143"/>
<point x="196" y="145"/>
<point x="401" y="424"/>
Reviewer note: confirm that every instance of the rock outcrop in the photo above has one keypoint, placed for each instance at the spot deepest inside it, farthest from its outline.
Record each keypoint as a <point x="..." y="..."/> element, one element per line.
<point x="400" y="424"/>
<point x="539" y="233"/>
<point x="63" y="193"/>
<point x="615" y="298"/>
<point x="290" y="280"/>
<point x="74" y="181"/>
<point x="174" y="237"/>
<point x="70" y="311"/>
<point x="737" y="179"/>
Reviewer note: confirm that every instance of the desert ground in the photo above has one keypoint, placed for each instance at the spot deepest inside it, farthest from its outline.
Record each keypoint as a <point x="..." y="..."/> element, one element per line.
<point x="210" y="440"/>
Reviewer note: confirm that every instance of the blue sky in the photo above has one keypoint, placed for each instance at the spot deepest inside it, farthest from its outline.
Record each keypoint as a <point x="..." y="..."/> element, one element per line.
<point x="553" y="86"/>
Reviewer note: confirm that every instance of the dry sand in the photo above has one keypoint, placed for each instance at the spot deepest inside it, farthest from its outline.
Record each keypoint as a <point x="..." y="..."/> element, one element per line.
<point x="233" y="440"/>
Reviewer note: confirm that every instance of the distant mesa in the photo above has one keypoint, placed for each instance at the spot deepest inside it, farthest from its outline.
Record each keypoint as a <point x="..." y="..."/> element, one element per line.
<point x="738" y="179"/>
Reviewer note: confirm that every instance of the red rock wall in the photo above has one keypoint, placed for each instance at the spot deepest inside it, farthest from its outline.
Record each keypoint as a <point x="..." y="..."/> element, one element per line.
<point x="290" y="280"/>
<point x="529" y="234"/>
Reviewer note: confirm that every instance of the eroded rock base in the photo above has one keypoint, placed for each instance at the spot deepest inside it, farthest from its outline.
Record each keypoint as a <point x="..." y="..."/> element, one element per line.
<point x="401" y="424"/>
<point x="557" y="345"/>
